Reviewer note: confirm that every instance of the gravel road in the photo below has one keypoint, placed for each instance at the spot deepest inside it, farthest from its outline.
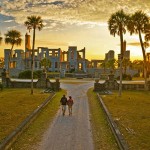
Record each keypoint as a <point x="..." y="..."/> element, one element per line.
<point x="71" y="132"/>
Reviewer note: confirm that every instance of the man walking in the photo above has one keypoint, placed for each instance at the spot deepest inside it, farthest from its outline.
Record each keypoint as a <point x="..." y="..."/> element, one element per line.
<point x="63" y="102"/>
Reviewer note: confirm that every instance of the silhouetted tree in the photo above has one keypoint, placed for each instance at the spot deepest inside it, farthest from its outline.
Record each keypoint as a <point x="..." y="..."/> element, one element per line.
<point x="103" y="65"/>
<point x="147" y="44"/>
<point x="45" y="62"/>
<point x="12" y="37"/>
<point x="33" y="22"/>
<point x="111" y="64"/>
<point x="137" y="25"/>
<point x="1" y="62"/>
<point x="0" y="38"/>
<point x="138" y="64"/>
<point x="126" y="63"/>
<point x="117" y="26"/>
<point x="147" y="33"/>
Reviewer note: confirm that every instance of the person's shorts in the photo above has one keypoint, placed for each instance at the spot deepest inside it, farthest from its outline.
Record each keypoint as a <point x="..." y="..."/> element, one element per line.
<point x="64" y="107"/>
<point x="69" y="106"/>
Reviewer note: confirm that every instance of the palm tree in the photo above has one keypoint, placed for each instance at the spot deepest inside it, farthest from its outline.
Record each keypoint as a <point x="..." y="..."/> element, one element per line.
<point x="33" y="22"/>
<point x="103" y="65"/>
<point x="147" y="32"/>
<point x="147" y="35"/>
<point x="126" y="63"/>
<point x="45" y="63"/>
<point x="137" y="24"/>
<point x="138" y="65"/>
<point x="1" y="59"/>
<point x="147" y="44"/>
<point x="1" y="62"/>
<point x="0" y="38"/>
<point x="12" y="37"/>
<point x="117" y="26"/>
<point x="111" y="64"/>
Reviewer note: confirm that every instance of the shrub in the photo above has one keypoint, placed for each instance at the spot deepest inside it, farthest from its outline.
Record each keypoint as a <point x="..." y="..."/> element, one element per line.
<point x="125" y="77"/>
<point x="1" y="86"/>
<point x="27" y="74"/>
<point x="37" y="74"/>
<point x="137" y="75"/>
<point x="72" y="70"/>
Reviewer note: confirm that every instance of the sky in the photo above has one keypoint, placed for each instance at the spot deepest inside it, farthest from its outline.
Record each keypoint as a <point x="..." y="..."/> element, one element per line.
<point x="81" y="23"/>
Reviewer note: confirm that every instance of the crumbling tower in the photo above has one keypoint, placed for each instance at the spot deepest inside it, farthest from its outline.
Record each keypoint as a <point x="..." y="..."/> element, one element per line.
<point x="28" y="51"/>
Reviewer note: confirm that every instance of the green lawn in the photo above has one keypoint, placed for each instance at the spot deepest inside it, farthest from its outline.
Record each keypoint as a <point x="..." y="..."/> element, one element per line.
<point x="15" y="106"/>
<point x="132" y="114"/>
<point x="137" y="78"/>
<point x="102" y="135"/>
<point x="30" y="138"/>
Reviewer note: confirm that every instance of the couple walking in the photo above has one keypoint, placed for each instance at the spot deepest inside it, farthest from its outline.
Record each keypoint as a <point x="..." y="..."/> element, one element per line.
<point x="65" y="102"/>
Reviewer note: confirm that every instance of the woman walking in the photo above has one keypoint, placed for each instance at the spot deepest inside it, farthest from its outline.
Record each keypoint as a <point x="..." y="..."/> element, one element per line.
<point x="70" y="103"/>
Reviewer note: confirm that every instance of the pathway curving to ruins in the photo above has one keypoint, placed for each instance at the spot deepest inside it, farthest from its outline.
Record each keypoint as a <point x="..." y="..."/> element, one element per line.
<point x="71" y="132"/>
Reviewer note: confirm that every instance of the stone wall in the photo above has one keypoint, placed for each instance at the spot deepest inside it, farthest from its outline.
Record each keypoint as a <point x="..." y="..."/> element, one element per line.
<point x="115" y="86"/>
<point x="133" y="86"/>
<point x="43" y="82"/>
<point x="55" y="86"/>
<point x="19" y="84"/>
<point x="98" y="87"/>
<point x="111" y="84"/>
<point x="107" y="85"/>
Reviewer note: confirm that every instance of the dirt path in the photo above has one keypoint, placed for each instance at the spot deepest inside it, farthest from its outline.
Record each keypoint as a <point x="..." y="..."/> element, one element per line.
<point x="71" y="132"/>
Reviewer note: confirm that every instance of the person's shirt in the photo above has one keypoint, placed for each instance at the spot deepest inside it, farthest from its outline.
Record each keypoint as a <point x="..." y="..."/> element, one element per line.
<point x="63" y="101"/>
<point x="70" y="102"/>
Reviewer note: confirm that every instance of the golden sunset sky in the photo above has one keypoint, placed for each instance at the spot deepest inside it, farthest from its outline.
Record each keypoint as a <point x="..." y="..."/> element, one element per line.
<point x="81" y="23"/>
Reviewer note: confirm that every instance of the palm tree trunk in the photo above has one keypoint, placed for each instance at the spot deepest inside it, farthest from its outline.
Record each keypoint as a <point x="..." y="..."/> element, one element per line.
<point x="120" y="85"/>
<point x="32" y="61"/>
<point x="121" y="58"/>
<point x="144" y="60"/>
<point x="125" y="68"/>
<point x="9" y="64"/>
<point x="104" y="67"/>
<point x="9" y="58"/>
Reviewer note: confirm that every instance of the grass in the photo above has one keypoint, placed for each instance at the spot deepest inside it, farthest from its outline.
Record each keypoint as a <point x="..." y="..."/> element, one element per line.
<point x="137" y="78"/>
<point x="131" y="112"/>
<point x="70" y="82"/>
<point x="32" y="135"/>
<point x="16" y="105"/>
<point x="102" y="135"/>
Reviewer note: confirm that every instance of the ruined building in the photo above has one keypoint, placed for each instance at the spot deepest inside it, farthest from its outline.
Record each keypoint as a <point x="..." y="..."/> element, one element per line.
<point x="72" y="60"/>
<point x="110" y="55"/>
<point x="20" y="60"/>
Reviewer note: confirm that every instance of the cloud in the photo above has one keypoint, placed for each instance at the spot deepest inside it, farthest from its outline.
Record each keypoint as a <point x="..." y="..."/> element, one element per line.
<point x="12" y="27"/>
<point x="5" y="18"/>
<point x="52" y="43"/>
<point x="57" y="3"/>
<point x="54" y="25"/>
<point x="78" y="12"/>
<point x="9" y="21"/>
<point x="134" y="43"/>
